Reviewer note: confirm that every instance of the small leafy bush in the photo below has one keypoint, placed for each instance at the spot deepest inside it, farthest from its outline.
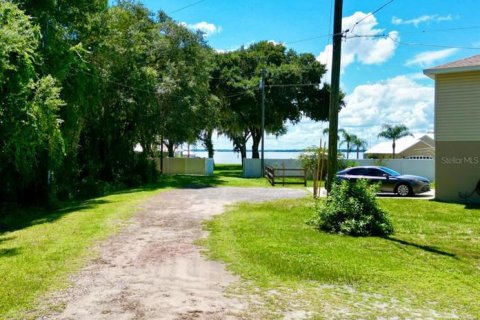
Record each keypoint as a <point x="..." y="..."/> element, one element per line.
<point x="352" y="209"/>
<point x="344" y="164"/>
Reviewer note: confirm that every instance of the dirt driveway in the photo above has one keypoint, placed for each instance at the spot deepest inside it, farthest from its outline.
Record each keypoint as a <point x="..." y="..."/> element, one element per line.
<point x="153" y="270"/>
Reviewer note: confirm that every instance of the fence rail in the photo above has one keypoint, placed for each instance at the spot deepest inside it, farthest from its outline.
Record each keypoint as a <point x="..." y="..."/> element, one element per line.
<point x="278" y="175"/>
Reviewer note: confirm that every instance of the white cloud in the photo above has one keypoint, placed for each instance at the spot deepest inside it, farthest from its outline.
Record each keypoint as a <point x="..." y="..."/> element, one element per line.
<point x="427" y="58"/>
<point x="366" y="50"/>
<point x="401" y="99"/>
<point x="422" y="19"/>
<point x="208" y="29"/>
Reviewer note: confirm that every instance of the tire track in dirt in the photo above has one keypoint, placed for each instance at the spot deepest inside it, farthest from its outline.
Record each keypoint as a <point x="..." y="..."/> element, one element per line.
<point x="153" y="269"/>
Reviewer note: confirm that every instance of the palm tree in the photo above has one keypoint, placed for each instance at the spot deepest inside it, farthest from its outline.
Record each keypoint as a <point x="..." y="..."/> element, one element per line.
<point x="326" y="131"/>
<point x="394" y="133"/>
<point x="348" y="139"/>
<point x="359" y="144"/>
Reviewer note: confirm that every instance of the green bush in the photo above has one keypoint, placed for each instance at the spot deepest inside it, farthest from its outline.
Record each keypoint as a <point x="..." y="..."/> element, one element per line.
<point x="352" y="209"/>
<point x="344" y="164"/>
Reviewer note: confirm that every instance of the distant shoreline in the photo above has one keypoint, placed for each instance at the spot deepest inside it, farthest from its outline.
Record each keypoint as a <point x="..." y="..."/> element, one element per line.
<point x="273" y="150"/>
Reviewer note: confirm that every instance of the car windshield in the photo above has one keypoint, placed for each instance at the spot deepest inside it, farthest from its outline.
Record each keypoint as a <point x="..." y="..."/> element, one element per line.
<point x="390" y="171"/>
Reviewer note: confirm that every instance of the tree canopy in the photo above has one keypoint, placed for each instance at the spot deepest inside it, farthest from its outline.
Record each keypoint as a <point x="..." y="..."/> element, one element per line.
<point x="83" y="82"/>
<point x="394" y="132"/>
<point x="292" y="91"/>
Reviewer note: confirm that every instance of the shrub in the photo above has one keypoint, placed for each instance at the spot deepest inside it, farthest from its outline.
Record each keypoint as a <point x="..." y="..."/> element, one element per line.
<point x="344" y="164"/>
<point x="309" y="159"/>
<point x="352" y="209"/>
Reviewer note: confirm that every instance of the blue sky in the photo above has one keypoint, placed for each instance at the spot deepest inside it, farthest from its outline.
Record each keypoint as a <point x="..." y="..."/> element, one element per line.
<point x="382" y="77"/>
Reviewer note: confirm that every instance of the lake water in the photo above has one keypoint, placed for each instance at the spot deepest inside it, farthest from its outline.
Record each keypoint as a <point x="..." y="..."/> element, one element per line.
<point x="230" y="157"/>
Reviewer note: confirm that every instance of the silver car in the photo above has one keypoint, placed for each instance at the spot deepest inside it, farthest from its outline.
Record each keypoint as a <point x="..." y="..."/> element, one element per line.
<point x="389" y="180"/>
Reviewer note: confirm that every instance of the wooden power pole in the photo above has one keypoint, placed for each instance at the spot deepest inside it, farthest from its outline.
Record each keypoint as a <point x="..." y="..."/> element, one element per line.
<point x="262" y="87"/>
<point x="334" y="95"/>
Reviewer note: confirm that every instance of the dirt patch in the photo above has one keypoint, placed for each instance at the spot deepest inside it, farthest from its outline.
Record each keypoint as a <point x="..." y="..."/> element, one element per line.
<point x="153" y="269"/>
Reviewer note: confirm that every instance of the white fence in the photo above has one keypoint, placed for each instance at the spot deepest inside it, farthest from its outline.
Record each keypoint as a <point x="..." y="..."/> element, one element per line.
<point x="197" y="166"/>
<point x="424" y="168"/>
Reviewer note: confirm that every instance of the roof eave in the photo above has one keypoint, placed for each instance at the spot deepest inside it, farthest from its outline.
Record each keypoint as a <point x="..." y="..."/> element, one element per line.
<point x="431" y="73"/>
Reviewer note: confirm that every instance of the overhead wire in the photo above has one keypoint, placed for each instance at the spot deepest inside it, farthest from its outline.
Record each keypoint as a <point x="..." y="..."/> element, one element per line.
<point x="187" y="6"/>
<point x="368" y="15"/>
<point x="431" y="45"/>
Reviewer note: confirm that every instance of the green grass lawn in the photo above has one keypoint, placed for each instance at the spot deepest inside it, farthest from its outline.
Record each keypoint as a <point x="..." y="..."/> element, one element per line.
<point x="40" y="248"/>
<point x="429" y="268"/>
<point x="225" y="175"/>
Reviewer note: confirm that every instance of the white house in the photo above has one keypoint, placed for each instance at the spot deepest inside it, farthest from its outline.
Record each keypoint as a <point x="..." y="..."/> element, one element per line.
<point x="419" y="146"/>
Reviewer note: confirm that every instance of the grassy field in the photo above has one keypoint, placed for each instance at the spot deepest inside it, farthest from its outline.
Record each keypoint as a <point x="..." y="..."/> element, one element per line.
<point x="430" y="268"/>
<point x="226" y="175"/>
<point x="40" y="248"/>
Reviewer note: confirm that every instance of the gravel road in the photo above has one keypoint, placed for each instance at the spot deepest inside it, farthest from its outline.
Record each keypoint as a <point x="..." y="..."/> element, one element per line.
<point x="153" y="269"/>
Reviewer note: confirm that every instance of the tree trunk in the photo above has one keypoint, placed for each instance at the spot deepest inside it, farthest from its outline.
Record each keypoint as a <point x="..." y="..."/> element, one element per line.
<point x="255" y="152"/>
<point x="171" y="150"/>
<point x="348" y="149"/>
<point x="240" y="143"/>
<point x="257" y="138"/>
<point x="243" y="152"/>
<point x="358" y="153"/>
<point x="208" y="143"/>
<point x="393" y="148"/>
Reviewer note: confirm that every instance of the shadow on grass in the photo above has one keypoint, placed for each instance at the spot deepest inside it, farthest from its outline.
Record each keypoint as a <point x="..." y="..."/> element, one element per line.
<point x="422" y="247"/>
<point x="10" y="252"/>
<point x="178" y="182"/>
<point x="22" y="218"/>
<point x="472" y="206"/>
<point x="19" y="218"/>
<point x="191" y="181"/>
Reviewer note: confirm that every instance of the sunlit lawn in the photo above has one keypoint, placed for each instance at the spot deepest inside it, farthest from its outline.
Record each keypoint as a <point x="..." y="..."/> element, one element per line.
<point x="429" y="268"/>
<point x="40" y="248"/>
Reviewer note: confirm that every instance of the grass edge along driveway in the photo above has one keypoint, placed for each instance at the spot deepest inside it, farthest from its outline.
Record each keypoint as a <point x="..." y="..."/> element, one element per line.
<point x="38" y="258"/>
<point x="428" y="269"/>
<point x="41" y="248"/>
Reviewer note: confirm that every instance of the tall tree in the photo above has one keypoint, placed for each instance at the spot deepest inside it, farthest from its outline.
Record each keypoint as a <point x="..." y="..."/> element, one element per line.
<point x="290" y="93"/>
<point x="183" y="63"/>
<point x="32" y="143"/>
<point x="359" y="144"/>
<point x="394" y="133"/>
<point x="348" y="139"/>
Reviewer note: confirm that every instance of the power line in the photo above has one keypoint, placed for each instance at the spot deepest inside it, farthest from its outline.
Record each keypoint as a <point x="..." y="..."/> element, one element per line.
<point x="418" y="44"/>
<point x="292" y="85"/>
<point x="309" y="39"/>
<point x="442" y="30"/>
<point x="431" y="45"/>
<point x="368" y="15"/>
<point x="187" y="6"/>
<point x="383" y="34"/>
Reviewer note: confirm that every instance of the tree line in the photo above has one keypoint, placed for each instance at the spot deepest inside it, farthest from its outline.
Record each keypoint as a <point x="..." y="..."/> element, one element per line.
<point x="82" y="82"/>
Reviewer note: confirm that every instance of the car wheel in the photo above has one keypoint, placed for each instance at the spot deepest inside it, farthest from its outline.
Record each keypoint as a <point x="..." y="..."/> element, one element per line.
<point x="403" y="190"/>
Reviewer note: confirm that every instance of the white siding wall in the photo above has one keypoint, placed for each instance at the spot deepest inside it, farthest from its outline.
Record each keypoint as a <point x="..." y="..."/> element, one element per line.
<point x="457" y="107"/>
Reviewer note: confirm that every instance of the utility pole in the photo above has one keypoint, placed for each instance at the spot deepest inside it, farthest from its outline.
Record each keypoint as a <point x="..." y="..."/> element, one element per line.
<point x="262" y="88"/>
<point x="334" y="94"/>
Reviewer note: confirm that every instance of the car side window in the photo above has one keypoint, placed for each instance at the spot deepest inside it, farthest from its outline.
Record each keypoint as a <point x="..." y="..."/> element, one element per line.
<point x="375" y="172"/>
<point x="357" y="172"/>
